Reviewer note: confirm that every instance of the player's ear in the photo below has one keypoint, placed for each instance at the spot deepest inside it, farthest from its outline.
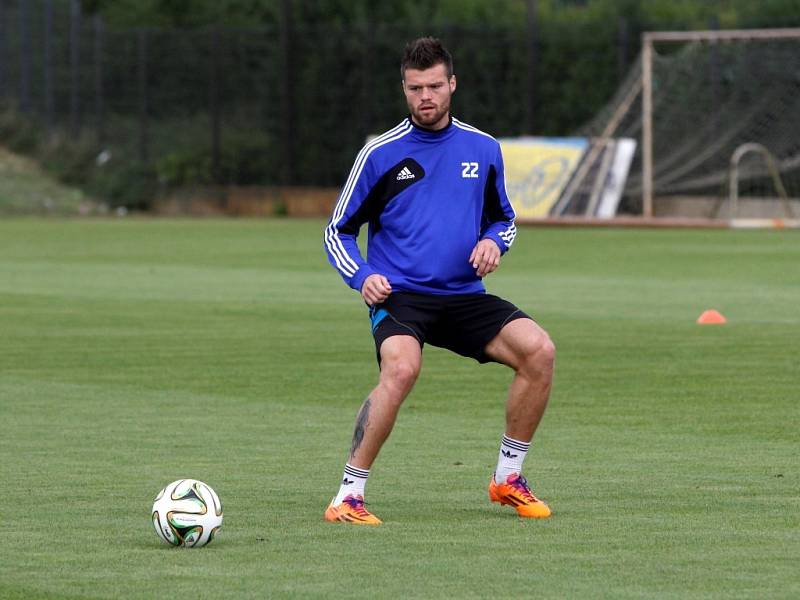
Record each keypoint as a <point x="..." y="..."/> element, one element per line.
<point x="452" y="83"/>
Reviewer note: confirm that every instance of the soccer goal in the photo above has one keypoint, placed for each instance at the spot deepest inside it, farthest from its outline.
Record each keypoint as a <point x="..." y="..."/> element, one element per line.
<point x="717" y="118"/>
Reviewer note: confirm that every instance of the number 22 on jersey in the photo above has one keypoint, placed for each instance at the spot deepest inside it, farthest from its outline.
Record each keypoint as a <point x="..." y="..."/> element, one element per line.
<point x="469" y="170"/>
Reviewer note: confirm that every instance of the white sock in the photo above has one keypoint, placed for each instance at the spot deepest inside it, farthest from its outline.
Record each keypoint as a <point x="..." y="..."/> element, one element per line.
<point x="353" y="482"/>
<point x="512" y="453"/>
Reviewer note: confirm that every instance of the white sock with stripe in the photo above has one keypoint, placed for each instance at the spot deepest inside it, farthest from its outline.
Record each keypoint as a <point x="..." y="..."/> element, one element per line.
<point x="353" y="482"/>
<point x="512" y="453"/>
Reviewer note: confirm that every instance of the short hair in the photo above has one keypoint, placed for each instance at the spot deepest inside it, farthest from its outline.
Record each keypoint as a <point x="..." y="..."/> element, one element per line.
<point x="424" y="53"/>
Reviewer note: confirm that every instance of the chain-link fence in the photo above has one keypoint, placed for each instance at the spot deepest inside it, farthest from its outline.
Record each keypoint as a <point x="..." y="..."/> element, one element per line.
<point x="289" y="104"/>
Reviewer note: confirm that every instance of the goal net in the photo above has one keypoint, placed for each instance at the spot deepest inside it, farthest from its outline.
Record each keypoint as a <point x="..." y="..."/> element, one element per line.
<point x="716" y="116"/>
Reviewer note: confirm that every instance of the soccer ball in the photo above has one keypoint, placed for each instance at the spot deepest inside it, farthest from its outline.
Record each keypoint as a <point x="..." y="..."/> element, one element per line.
<point x="187" y="513"/>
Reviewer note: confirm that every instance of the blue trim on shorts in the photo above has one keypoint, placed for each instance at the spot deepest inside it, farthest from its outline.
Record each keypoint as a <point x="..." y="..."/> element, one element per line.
<point x="376" y="316"/>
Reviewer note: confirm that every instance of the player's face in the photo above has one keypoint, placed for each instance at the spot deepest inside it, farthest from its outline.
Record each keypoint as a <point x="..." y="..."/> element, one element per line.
<point x="428" y="95"/>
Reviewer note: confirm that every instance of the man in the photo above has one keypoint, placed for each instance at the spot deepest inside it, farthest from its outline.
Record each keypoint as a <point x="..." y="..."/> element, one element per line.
<point x="433" y="192"/>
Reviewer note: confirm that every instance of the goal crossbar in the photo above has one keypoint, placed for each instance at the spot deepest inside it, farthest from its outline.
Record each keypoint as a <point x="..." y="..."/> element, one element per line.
<point x="649" y="37"/>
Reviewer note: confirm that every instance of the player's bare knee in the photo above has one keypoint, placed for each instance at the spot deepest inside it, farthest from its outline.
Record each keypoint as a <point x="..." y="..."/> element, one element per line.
<point x="400" y="374"/>
<point x="540" y="359"/>
<point x="547" y="350"/>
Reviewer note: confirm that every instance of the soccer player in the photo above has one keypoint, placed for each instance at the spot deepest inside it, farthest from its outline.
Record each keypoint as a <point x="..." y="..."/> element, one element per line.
<point x="433" y="192"/>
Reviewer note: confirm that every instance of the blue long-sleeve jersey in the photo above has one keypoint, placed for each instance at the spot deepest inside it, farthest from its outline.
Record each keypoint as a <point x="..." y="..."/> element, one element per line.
<point x="429" y="197"/>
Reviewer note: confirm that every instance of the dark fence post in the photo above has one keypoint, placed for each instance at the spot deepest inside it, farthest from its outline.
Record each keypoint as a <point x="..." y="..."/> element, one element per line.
<point x="24" y="100"/>
<point x="49" y="97"/>
<point x="214" y="102"/>
<point x="287" y="92"/>
<point x="530" y="79"/>
<point x="623" y="48"/>
<point x="74" y="67"/>
<point x="3" y="53"/>
<point x="367" y="66"/>
<point x="99" y="97"/>
<point x="714" y="77"/>
<point x="141" y="38"/>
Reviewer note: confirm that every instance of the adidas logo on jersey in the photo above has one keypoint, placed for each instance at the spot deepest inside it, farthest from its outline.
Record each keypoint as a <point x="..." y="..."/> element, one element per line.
<point x="405" y="174"/>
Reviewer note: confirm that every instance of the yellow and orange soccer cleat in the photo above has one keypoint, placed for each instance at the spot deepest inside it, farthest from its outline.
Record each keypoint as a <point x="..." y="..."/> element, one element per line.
<point x="515" y="492"/>
<point x="351" y="510"/>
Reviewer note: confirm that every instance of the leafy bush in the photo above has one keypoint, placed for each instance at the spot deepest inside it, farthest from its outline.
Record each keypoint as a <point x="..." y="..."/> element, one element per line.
<point x="19" y="133"/>
<point x="71" y="162"/>
<point x="132" y="185"/>
<point x="245" y="158"/>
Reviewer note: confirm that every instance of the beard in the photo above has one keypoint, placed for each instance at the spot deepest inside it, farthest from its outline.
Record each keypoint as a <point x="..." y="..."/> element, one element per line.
<point x="429" y="118"/>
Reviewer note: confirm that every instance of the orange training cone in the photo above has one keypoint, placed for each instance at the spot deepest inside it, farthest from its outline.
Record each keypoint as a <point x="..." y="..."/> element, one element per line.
<point x="711" y="317"/>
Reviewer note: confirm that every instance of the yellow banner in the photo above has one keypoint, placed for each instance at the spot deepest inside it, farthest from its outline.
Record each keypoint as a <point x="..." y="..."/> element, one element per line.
<point x="538" y="170"/>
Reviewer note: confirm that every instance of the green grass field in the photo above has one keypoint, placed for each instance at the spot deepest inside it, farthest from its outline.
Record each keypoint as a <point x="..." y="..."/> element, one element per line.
<point x="136" y="352"/>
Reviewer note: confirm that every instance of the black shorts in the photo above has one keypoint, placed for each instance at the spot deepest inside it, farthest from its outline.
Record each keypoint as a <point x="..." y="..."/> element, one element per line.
<point x="462" y="323"/>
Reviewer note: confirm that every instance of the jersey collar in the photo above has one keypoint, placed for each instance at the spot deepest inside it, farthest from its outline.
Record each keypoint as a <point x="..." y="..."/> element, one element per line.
<point x="432" y="134"/>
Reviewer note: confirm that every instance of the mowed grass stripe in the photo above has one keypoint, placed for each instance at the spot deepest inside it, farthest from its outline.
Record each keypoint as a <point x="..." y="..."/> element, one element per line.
<point x="137" y="352"/>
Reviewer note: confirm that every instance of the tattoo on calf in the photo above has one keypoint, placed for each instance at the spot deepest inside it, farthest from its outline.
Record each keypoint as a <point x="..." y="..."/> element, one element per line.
<point x="361" y="424"/>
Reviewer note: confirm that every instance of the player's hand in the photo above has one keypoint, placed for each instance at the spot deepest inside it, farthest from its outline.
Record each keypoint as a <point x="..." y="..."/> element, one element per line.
<point x="485" y="257"/>
<point x="375" y="289"/>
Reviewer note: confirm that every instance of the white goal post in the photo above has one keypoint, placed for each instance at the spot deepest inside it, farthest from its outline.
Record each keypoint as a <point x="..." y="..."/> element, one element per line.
<point x="649" y="39"/>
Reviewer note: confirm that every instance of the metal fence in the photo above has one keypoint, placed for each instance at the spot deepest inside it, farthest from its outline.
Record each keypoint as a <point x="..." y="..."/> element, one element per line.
<point x="289" y="104"/>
